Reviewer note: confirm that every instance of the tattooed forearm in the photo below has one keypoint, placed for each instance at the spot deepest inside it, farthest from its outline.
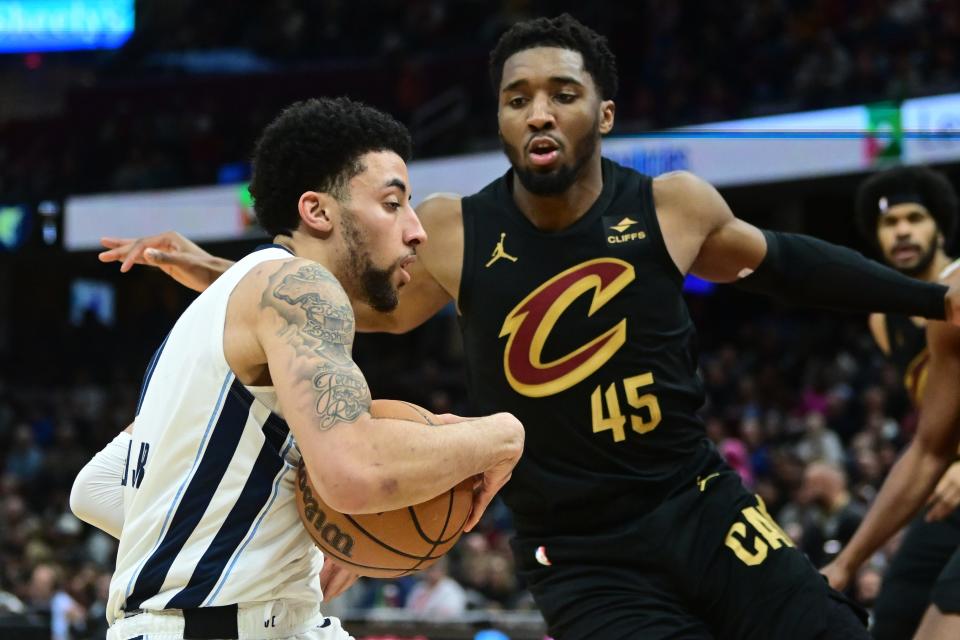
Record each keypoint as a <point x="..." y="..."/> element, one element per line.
<point x="320" y="327"/>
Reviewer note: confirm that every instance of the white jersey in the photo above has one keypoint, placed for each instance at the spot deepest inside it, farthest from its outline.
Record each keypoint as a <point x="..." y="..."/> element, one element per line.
<point x="950" y="268"/>
<point x="210" y="516"/>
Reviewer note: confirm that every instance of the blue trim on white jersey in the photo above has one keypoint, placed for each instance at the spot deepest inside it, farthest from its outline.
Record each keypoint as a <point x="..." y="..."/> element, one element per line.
<point x="199" y="493"/>
<point x="273" y="245"/>
<point x="273" y="498"/>
<point x="176" y="498"/>
<point x="254" y="495"/>
<point x="149" y="374"/>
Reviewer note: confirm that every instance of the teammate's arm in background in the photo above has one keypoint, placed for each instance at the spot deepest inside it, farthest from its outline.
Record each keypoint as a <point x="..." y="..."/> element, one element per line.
<point x="434" y="281"/>
<point x="914" y="475"/>
<point x="360" y="464"/>
<point x="704" y="238"/>
<point x="97" y="493"/>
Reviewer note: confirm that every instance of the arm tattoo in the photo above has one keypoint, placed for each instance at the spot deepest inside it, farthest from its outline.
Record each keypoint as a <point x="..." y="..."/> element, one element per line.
<point x="322" y="330"/>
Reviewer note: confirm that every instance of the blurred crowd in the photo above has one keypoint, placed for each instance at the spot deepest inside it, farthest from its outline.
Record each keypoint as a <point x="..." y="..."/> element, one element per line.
<point x="802" y="405"/>
<point x="183" y="101"/>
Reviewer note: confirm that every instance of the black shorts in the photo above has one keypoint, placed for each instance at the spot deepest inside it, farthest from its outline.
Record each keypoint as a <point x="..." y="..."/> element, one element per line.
<point x="925" y="570"/>
<point x="708" y="563"/>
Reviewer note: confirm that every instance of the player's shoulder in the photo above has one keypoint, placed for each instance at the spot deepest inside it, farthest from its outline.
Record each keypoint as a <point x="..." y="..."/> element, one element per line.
<point x="440" y="211"/>
<point x="289" y="281"/>
<point x="441" y="203"/>
<point x="678" y="183"/>
<point x="298" y="277"/>
<point x="690" y="198"/>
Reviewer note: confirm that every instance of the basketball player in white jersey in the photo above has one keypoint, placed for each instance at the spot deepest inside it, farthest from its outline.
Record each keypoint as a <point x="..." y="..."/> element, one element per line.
<point x="210" y="543"/>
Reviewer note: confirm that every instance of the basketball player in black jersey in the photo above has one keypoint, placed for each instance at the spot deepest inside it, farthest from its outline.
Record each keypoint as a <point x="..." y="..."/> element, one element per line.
<point x="567" y="274"/>
<point x="910" y="214"/>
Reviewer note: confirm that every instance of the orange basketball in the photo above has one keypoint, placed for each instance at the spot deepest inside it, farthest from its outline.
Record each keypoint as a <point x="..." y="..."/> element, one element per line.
<point x="393" y="543"/>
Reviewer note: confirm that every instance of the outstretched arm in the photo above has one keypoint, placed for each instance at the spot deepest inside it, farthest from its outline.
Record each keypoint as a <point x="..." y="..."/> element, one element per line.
<point x="915" y="474"/>
<point x="175" y="255"/>
<point x="434" y="282"/>
<point x="703" y="234"/>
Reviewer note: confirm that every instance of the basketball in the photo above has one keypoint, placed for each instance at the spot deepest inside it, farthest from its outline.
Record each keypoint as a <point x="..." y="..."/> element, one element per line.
<point x="393" y="543"/>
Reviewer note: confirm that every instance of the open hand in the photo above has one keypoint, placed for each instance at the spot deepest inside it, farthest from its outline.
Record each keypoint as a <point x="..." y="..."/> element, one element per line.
<point x="169" y="251"/>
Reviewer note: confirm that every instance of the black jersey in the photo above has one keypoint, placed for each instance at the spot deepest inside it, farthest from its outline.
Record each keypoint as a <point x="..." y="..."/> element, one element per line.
<point x="584" y="335"/>
<point x="908" y="352"/>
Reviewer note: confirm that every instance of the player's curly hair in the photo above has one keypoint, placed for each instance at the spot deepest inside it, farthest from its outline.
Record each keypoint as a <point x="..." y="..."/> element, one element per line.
<point x="932" y="189"/>
<point x="565" y="32"/>
<point x="316" y="145"/>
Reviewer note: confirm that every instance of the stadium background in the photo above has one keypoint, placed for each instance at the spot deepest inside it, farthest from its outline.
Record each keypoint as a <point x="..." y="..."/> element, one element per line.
<point x="178" y="103"/>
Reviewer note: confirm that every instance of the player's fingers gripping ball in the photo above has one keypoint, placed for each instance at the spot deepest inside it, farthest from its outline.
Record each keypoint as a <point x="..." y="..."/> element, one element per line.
<point x="393" y="543"/>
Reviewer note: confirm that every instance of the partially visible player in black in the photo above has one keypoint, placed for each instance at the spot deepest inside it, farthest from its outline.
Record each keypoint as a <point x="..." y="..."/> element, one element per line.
<point x="567" y="273"/>
<point x="910" y="215"/>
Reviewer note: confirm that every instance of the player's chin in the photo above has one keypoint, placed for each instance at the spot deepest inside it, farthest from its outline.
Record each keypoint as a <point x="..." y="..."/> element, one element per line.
<point x="545" y="169"/>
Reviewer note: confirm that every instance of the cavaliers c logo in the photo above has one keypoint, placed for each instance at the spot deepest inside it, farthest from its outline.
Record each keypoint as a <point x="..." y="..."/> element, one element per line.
<point x="530" y="323"/>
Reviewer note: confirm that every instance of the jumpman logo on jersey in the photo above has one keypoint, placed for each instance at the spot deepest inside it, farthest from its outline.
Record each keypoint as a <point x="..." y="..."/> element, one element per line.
<point x="500" y="252"/>
<point x="702" y="482"/>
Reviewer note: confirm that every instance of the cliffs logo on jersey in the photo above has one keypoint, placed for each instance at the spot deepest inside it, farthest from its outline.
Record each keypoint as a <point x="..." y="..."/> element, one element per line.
<point x="620" y="230"/>
<point x="529" y="325"/>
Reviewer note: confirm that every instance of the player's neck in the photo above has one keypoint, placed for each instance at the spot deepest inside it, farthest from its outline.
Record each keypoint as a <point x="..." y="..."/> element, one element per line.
<point x="940" y="262"/>
<point x="305" y="246"/>
<point x="556" y="212"/>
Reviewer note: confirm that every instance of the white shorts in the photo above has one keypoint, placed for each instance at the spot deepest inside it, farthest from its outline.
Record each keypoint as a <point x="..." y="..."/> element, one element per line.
<point x="277" y="620"/>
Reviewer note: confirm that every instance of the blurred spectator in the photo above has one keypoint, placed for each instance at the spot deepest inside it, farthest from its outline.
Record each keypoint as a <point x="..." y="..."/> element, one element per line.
<point x="832" y="516"/>
<point x="867" y="585"/>
<point x="819" y="443"/>
<point x="24" y="459"/>
<point x="47" y="598"/>
<point x="436" y="595"/>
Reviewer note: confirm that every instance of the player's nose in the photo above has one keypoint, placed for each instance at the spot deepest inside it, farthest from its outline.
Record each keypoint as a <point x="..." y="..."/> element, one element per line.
<point x="904" y="228"/>
<point x="413" y="232"/>
<point x="540" y="116"/>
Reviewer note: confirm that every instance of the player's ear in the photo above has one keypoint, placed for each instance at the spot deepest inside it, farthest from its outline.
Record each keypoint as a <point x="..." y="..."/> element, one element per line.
<point x="607" y="110"/>
<point x="316" y="211"/>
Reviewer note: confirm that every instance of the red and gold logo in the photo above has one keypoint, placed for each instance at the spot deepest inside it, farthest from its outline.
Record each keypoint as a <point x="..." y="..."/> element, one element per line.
<point x="529" y="325"/>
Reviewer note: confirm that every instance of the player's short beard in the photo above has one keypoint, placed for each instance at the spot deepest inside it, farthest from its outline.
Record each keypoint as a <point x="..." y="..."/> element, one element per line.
<point x="560" y="179"/>
<point x="926" y="259"/>
<point x="369" y="284"/>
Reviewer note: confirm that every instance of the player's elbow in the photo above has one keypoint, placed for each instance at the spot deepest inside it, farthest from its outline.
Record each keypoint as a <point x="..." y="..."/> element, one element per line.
<point x="76" y="492"/>
<point x="84" y="486"/>
<point x="343" y="485"/>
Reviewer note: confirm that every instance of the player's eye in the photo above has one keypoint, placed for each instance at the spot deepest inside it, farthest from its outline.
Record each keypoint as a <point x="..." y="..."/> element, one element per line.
<point x="517" y="102"/>
<point x="393" y="206"/>
<point x="565" y="98"/>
